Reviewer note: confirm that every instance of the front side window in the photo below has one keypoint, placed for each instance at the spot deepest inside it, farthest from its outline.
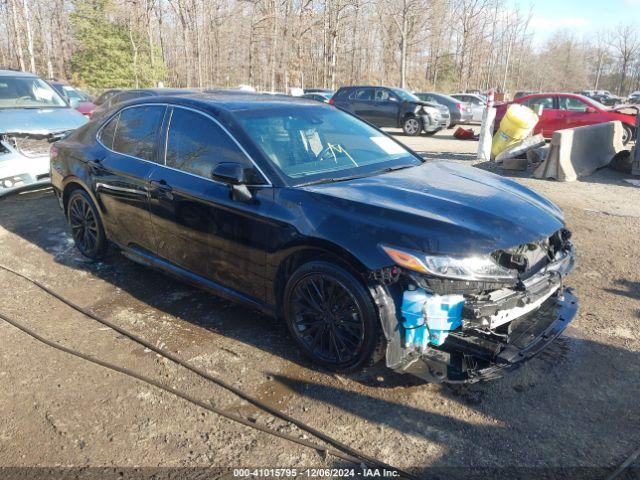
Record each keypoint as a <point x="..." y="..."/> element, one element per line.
<point x="315" y="143"/>
<point x="28" y="92"/>
<point x="382" y="95"/>
<point x="136" y="131"/>
<point x="196" y="144"/>
<point x="572" y="104"/>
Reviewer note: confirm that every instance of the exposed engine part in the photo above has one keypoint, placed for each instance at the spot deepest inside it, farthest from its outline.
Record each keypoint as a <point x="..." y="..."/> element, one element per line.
<point x="29" y="146"/>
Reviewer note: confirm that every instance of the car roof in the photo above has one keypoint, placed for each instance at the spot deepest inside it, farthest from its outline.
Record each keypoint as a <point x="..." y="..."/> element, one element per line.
<point x="17" y="73"/>
<point x="231" y="101"/>
<point x="159" y="91"/>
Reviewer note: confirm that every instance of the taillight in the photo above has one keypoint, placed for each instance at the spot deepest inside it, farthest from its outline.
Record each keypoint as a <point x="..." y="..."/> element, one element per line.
<point x="53" y="153"/>
<point x="459" y="106"/>
<point x="331" y="101"/>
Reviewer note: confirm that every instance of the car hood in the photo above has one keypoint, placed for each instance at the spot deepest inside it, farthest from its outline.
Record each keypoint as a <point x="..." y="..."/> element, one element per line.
<point x="40" y="120"/>
<point x="438" y="207"/>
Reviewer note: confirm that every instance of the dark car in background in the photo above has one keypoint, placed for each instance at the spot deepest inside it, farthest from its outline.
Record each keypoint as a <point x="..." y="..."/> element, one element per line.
<point x="305" y="212"/>
<point x="318" y="96"/>
<point x="390" y="107"/>
<point x="78" y="99"/>
<point x="31" y="114"/>
<point x="459" y="112"/>
<point x="126" y="95"/>
<point x="106" y="95"/>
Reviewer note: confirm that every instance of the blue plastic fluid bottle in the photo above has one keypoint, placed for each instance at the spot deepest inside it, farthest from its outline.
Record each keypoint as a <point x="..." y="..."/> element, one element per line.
<point x="428" y="318"/>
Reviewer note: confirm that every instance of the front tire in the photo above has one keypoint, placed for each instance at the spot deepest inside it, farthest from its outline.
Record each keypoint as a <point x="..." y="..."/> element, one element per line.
<point x="332" y="317"/>
<point x="86" y="226"/>
<point x="411" y="126"/>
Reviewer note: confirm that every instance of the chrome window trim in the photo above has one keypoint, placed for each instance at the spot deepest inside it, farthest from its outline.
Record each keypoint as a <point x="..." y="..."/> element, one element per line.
<point x="164" y="157"/>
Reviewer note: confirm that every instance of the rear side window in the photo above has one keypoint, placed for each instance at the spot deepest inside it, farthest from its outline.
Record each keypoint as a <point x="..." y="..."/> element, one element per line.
<point x="136" y="131"/>
<point x="108" y="131"/>
<point x="196" y="144"/>
<point x="572" y="104"/>
<point x="362" y="94"/>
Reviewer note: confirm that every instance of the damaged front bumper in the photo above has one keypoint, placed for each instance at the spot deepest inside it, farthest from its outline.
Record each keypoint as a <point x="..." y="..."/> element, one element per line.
<point x="461" y="336"/>
<point x="24" y="161"/>
<point x="470" y="356"/>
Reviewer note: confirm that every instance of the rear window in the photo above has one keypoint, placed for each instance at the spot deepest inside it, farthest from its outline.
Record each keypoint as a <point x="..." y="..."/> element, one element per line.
<point x="135" y="131"/>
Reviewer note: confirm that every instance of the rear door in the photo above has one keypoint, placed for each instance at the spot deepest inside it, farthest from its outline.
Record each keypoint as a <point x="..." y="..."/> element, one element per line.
<point x="362" y="103"/>
<point x="551" y="117"/>
<point x="197" y="226"/>
<point x="121" y="173"/>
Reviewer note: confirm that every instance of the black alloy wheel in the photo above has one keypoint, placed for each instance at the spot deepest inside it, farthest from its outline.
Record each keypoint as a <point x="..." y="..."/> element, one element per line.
<point x="85" y="224"/>
<point x="331" y="317"/>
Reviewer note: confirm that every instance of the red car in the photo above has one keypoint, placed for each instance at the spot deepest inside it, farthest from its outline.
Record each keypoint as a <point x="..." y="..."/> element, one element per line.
<point x="74" y="97"/>
<point x="568" y="110"/>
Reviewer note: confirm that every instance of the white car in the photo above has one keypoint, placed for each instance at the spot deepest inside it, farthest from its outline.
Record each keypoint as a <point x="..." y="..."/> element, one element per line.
<point x="476" y="102"/>
<point x="31" y="115"/>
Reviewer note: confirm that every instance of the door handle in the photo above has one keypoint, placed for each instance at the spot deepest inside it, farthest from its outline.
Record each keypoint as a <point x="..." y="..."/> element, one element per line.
<point x="162" y="189"/>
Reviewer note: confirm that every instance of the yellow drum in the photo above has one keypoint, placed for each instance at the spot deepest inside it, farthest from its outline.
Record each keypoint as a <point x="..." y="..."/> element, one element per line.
<point x="517" y="124"/>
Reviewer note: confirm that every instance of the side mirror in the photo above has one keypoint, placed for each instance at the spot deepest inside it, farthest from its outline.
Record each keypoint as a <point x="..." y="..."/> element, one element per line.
<point x="230" y="172"/>
<point x="590" y="110"/>
<point x="236" y="175"/>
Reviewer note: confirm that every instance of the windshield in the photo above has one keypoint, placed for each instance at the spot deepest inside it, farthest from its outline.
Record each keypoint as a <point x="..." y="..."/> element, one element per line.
<point x="404" y="95"/>
<point x="28" y="92"/>
<point x="73" y="94"/>
<point x="316" y="143"/>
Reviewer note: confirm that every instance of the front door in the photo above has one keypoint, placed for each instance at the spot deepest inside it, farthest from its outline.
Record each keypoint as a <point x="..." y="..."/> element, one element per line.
<point x="121" y="172"/>
<point x="197" y="225"/>
<point x="575" y="112"/>
<point x="550" y="118"/>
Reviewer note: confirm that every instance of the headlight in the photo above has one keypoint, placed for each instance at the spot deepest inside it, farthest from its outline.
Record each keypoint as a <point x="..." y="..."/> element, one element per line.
<point x="475" y="268"/>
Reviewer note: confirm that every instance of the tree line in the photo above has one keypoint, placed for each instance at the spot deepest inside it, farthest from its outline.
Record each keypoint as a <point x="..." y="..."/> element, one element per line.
<point x="274" y="45"/>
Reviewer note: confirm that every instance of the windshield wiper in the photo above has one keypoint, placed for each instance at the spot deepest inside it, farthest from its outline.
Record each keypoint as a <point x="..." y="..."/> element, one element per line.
<point x="333" y="180"/>
<point x="393" y="169"/>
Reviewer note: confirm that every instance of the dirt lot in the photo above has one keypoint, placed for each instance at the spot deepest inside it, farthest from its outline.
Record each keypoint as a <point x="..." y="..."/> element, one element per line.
<point x="576" y="405"/>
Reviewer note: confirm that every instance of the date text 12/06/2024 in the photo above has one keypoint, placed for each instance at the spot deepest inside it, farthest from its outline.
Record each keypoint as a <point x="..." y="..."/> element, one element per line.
<point x="315" y="472"/>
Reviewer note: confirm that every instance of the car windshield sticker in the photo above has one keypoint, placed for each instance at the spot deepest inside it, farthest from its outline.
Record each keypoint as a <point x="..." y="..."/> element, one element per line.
<point x="388" y="145"/>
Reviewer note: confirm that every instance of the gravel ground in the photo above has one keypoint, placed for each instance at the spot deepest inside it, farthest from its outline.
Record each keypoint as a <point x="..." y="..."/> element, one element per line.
<point x="576" y="405"/>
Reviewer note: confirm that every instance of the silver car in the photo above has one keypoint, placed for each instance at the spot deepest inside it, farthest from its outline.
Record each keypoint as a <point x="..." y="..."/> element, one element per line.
<point x="31" y="115"/>
<point x="475" y="102"/>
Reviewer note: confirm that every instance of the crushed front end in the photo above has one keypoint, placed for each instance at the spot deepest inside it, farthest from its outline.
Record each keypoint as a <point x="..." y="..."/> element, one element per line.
<point x="24" y="160"/>
<point x="465" y="320"/>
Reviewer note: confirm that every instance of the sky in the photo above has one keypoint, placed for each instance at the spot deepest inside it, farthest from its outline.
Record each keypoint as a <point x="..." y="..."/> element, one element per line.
<point x="579" y="16"/>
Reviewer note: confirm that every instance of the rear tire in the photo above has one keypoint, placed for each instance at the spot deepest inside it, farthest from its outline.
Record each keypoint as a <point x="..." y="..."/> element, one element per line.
<point x="86" y="226"/>
<point x="411" y="126"/>
<point x="332" y="317"/>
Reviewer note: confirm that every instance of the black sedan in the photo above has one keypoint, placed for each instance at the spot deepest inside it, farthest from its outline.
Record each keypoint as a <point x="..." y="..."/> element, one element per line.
<point x="305" y="212"/>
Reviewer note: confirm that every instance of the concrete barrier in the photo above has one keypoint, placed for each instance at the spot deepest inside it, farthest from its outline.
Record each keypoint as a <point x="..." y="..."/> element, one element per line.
<point x="580" y="151"/>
